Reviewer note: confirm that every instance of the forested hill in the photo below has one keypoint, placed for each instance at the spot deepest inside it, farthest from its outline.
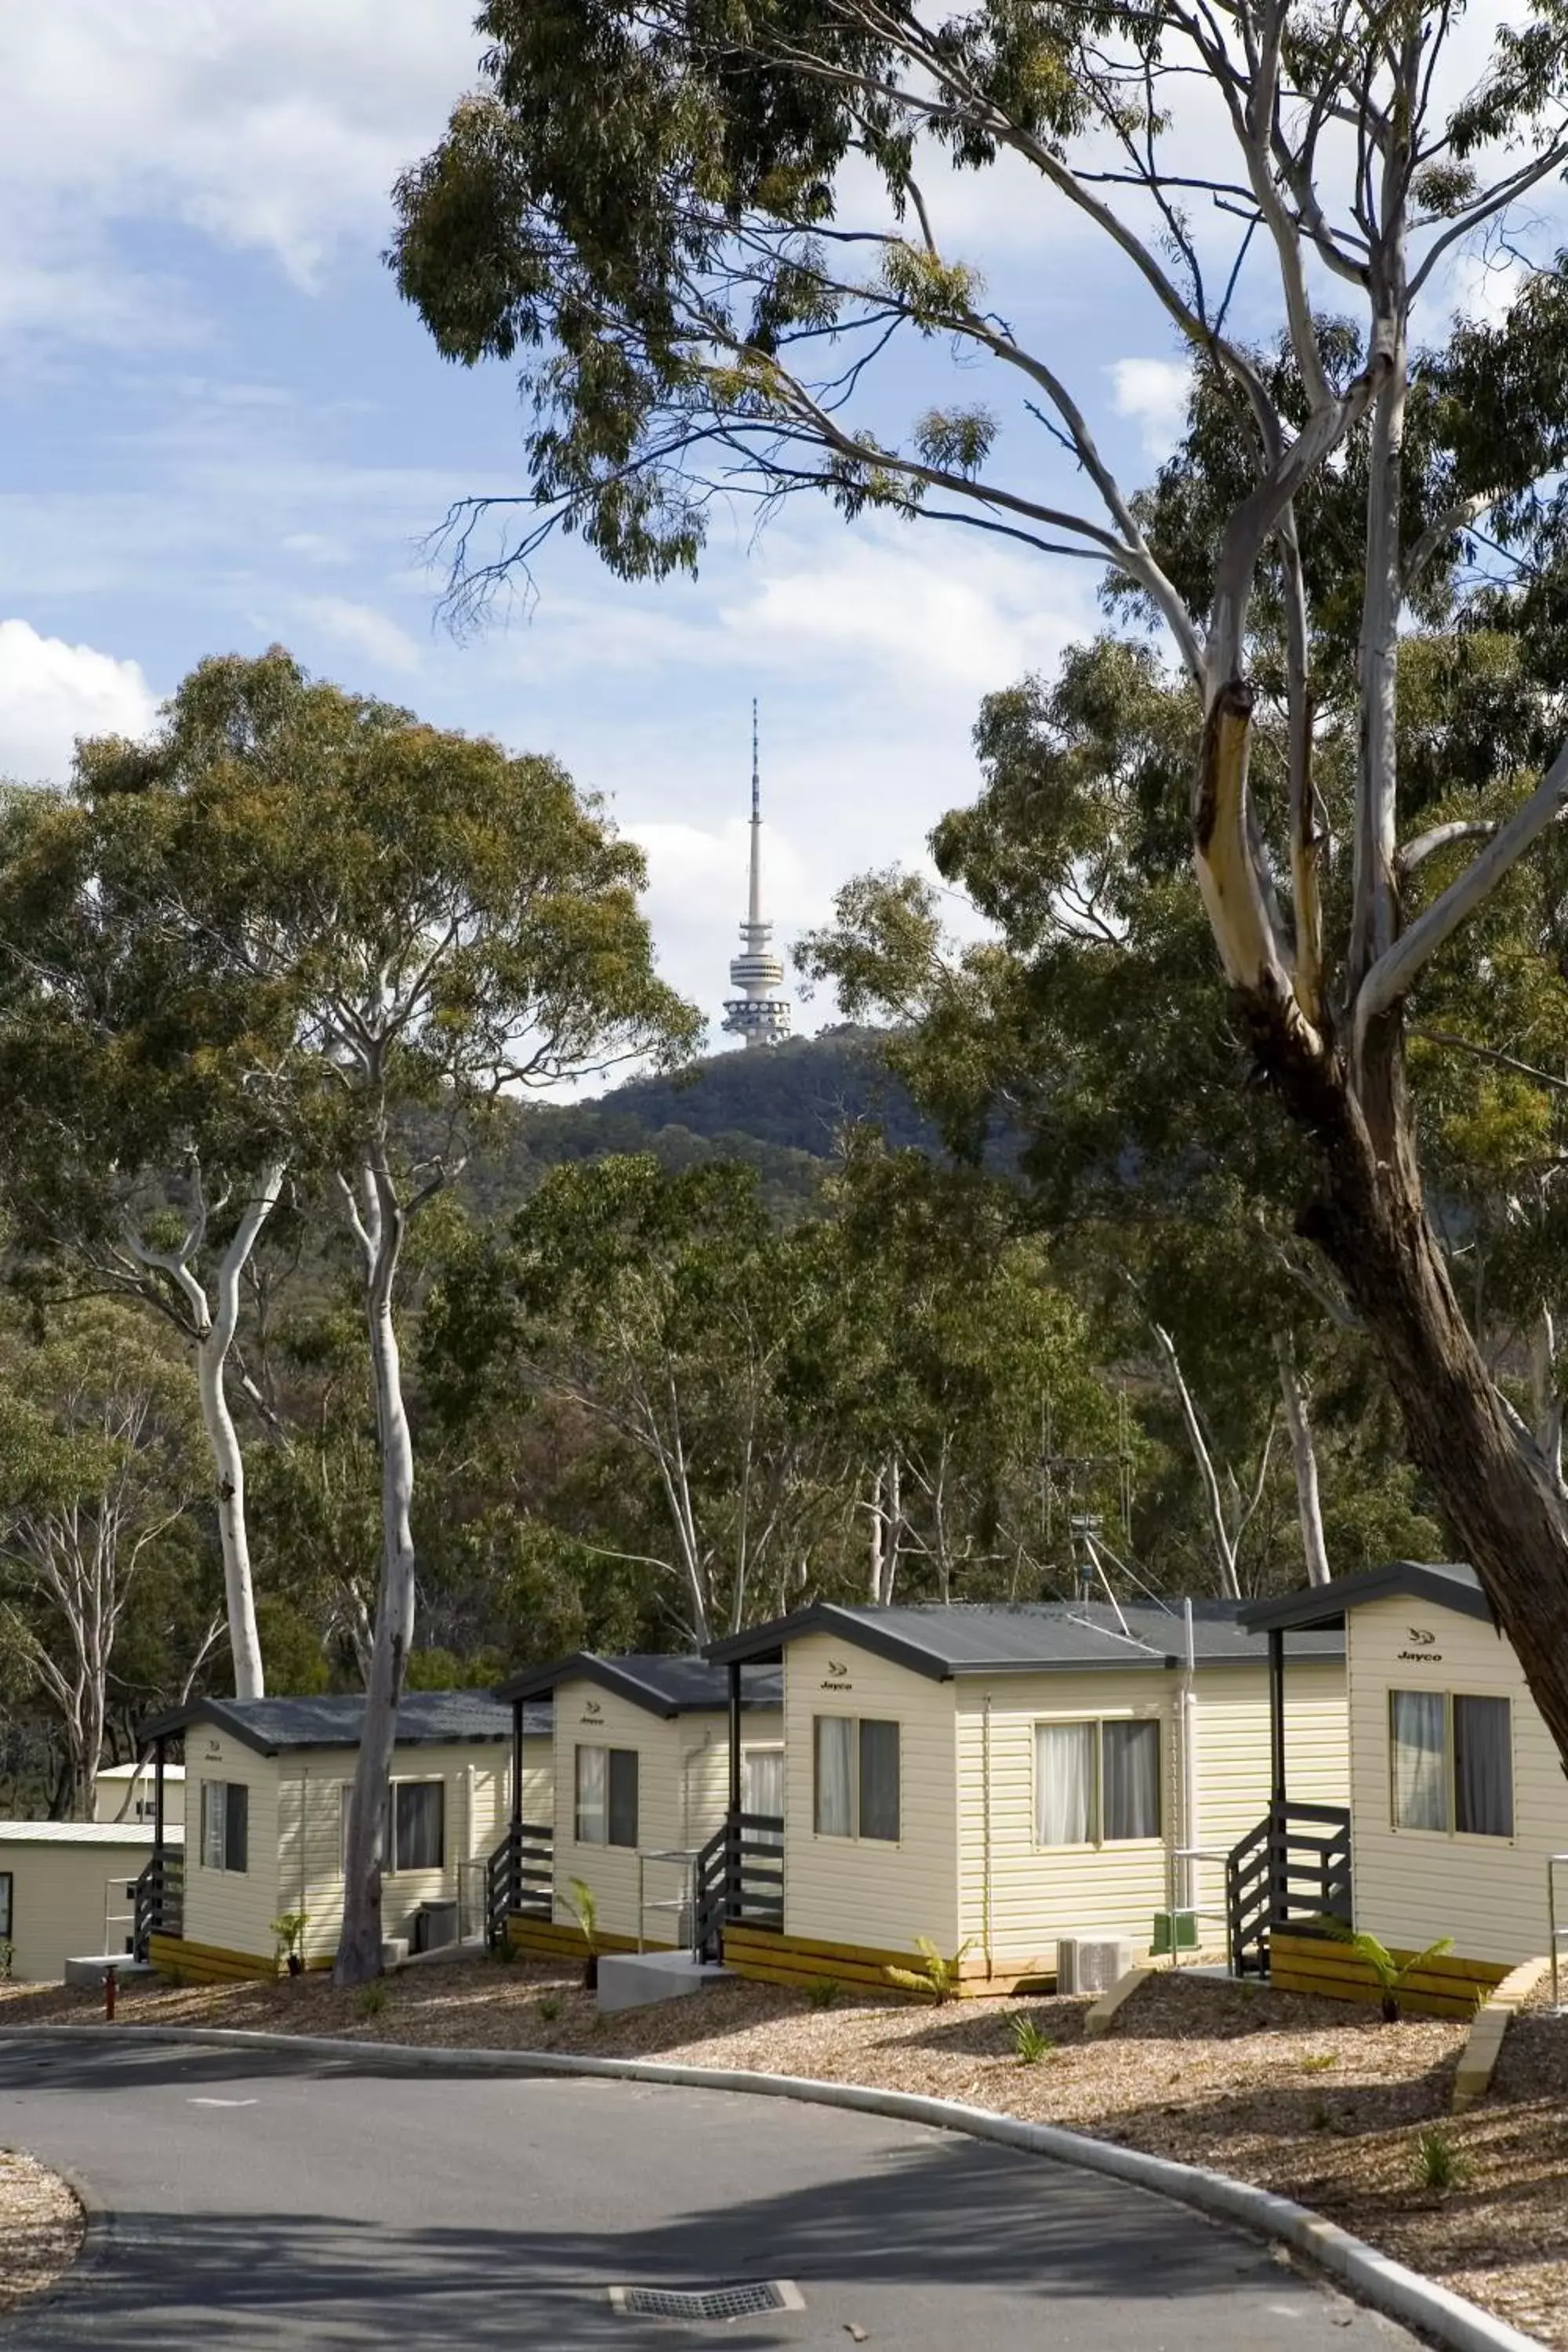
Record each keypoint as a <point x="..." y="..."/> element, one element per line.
<point x="778" y="1111"/>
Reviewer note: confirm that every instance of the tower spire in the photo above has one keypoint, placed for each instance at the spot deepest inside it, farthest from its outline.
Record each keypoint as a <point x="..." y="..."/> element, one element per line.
<point x="758" y="1015"/>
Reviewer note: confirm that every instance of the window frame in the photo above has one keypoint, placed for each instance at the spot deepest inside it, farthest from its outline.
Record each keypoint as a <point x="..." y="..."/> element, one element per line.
<point x="390" y="1867"/>
<point x="605" y="1748"/>
<point x="856" y="1835"/>
<point x="1097" y="1724"/>
<point x="224" y="1819"/>
<point x="1450" y="1831"/>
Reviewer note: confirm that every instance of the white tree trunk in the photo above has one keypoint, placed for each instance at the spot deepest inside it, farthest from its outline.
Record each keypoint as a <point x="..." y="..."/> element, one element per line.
<point x="1304" y="1456"/>
<point x="1208" y="1478"/>
<point x="380" y="1234"/>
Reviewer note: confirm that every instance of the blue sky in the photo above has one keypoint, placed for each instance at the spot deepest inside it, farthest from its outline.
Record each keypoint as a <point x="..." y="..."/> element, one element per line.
<point x="221" y="429"/>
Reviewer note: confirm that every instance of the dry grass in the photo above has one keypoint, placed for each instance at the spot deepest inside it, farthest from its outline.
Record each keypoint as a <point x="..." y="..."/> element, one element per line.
<point x="40" y="2228"/>
<point x="1315" y="2098"/>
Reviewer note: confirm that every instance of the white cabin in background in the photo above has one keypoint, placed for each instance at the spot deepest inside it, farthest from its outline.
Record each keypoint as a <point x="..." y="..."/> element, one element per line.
<point x="124" y="1792"/>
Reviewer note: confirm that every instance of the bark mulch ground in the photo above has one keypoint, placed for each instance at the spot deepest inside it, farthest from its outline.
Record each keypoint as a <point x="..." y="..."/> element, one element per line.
<point x="40" y="2228"/>
<point x="1315" y="2098"/>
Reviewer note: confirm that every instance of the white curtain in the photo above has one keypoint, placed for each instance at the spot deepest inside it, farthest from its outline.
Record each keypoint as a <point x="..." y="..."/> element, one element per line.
<point x="1483" y="1767"/>
<point x="835" y="1776"/>
<point x="421" y="1821"/>
<point x="1065" y="1805"/>
<point x="763" y="1783"/>
<point x="593" y="1796"/>
<point x="1131" y="1779"/>
<point x="1420" y="1763"/>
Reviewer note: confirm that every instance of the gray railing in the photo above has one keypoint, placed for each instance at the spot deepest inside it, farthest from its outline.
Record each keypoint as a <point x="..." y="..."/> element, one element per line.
<point x="739" y="1880"/>
<point x="520" y="1879"/>
<point x="1293" y="1869"/>
<point x="159" y="1901"/>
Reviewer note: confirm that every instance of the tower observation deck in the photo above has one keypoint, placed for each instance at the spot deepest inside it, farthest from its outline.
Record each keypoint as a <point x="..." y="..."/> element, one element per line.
<point x="758" y="1015"/>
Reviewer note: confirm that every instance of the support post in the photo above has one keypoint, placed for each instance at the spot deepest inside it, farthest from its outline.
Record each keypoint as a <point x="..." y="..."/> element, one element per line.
<point x="160" y="1748"/>
<point x="516" y="1763"/>
<point x="1276" y="1712"/>
<point x="734" y="1736"/>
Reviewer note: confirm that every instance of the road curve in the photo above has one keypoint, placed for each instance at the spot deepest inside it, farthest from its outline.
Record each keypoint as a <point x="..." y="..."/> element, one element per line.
<point x="273" y="2203"/>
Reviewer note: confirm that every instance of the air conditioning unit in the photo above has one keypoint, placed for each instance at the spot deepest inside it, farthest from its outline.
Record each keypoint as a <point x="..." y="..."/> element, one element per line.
<point x="1091" y="1963"/>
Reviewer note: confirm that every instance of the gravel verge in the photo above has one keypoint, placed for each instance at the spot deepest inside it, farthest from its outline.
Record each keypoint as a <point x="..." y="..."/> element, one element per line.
<point x="41" y="2228"/>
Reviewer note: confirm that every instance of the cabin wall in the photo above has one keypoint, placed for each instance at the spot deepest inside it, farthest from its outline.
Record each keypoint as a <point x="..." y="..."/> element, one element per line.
<point x="1018" y="1896"/>
<point x="683" y="1786"/>
<point x="108" y="1796"/>
<point x="232" y="1911"/>
<point x="476" y="1776"/>
<point x="1412" y="1887"/>
<point x="61" y="1895"/>
<point x="862" y="1891"/>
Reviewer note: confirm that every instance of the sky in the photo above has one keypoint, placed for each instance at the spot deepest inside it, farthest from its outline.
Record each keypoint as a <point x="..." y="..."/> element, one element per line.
<point x="222" y="430"/>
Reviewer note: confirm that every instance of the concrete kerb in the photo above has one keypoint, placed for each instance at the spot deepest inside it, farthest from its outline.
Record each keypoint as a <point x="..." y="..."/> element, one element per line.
<point x="1373" y="2277"/>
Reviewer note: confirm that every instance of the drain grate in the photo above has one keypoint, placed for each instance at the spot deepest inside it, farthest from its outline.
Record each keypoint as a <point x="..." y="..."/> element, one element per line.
<point x="731" y="2299"/>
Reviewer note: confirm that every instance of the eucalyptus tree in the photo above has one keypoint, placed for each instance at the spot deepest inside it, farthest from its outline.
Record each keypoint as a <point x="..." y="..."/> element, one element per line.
<point x="147" y="1140"/>
<point x="98" y="1465"/>
<point x="704" y="228"/>
<point x="451" y="923"/>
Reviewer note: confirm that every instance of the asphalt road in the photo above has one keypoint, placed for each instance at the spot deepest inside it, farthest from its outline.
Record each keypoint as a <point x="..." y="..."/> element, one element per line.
<point x="275" y="2205"/>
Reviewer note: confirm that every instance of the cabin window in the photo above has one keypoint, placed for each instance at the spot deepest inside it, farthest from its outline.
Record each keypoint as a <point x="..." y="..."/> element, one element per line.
<point x="413" y="1825"/>
<point x="607" y="1796"/>
<point x="762" y="1782"/>
<point x="1096" y="1783"/>
<point x="225" y="1825"/>
<point x="418" y="1825"/>
<point x="856" y="1768"/>
<point x="1451" y="1762"/>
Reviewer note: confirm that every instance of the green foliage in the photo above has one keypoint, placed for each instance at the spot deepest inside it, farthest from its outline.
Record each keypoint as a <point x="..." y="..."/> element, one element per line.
<point x="288" y="1932"/>
<point x="1029" y="2041"/>
<point x="1391" y="1975"/>
<point x="549" y="2007"/>
<point x="1437" y="2160"/>
<point x="371" y="1999"/>
<point x="823" y="1993"/>
<point x="938" y="1979"/>
<point x="584" y="1906"/>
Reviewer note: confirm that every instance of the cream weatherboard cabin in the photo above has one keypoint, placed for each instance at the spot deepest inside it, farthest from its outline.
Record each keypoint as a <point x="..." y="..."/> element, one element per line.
<point x="268" y="1786"/>
<point x="994" y="1778"/>
<point x="124" y="1792"/>
<point x="1457" y="1798"/>
<point x="68" y="1890"/>
<point x="642" y="1784"/>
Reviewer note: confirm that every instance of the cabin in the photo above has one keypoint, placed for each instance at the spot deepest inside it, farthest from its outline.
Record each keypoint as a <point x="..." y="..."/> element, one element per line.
<point x="997" y="1778"/>
<point x="123" y="1793"/>
<point x="69" y="1889"/>
<point x="651" y="1753"/>
<point x="271" y="1782"/>
<point x="1458" y="1799"/>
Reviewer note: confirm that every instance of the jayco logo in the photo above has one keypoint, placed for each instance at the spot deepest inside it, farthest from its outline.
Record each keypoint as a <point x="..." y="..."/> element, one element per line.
<point x="1421" y="1652"/>
<point x="837" y="1670"/>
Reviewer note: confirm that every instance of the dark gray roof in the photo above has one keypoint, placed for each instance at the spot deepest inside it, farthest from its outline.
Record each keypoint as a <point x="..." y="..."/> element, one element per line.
<point x="333" y="1719"/>
<point x="1441" y="1585"/>
<point x="992" y="1638"/>
<point x="665" y="1685"/>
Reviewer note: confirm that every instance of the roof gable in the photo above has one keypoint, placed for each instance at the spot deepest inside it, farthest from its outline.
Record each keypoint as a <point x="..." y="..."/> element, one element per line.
<point x="336" y="1719"/>
<point x="664" y="1684"/>
<point x="1438" y="1584"/>
<point x="946" y="1642"/>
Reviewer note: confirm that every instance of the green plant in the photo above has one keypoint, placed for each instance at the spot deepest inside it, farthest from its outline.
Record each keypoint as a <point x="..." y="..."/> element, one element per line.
<point x="1030" y="2043"/>
<point x="1438" y="2163"/>
<point x="505" y="1953"/>
<point x="1320" y="2120"/>
<point x="7" y="1958"/>
<point x="1392" y="1975"/>
<point x="550" y="2007"/>
<point x="936" y="1979"/>
<point x="822" y="1992"/>
<point x="371" y="1998"/>
<point x="289" y="1938"/>
<point x="1318" y="2062"/>
<point x="584" y="1906"/>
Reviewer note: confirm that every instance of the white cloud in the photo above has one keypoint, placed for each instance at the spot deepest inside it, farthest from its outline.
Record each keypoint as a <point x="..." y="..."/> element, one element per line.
<point x="362" y="630"/>
<point x="277" y="125"/>
<point x="1153" y="392"/>
<point x="51" y="692"/>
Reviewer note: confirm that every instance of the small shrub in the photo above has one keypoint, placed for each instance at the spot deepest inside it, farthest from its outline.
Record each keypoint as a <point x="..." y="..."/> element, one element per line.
<point x="584" y="1906"/>
<point x="7" y="1958"/>
<point x="1319" y="2118"/>
<point x="822" y="1992"/>
<point x="1392" y="1975"/>
<point x="549" y="2007"/>
<point x="1318" y="2062"/>
<point x="175" y="1979"/>
<point x="1030" y="2043"/>
<point x="288" y="1940"/>
<point x="1439" y="2165"/>
<point x="371" y="1999"/>
<point x="937" y="1979"/>
<point x="506" y="1953"/>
